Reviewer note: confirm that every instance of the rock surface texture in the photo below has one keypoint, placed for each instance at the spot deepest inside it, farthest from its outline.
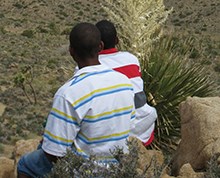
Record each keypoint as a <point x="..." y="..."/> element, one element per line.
<point x="200" y="133"/>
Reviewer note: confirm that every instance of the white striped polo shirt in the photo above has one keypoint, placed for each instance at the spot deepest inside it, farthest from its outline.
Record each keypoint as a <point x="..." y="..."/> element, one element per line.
<point x="128" y="64"/>
<point x="91" y="113"/>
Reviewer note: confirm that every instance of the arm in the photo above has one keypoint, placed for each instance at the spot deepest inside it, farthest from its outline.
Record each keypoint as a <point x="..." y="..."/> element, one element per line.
<point x="61" y="128"/>
<point x="144" y="122"/>
<point x="146" y="115"/>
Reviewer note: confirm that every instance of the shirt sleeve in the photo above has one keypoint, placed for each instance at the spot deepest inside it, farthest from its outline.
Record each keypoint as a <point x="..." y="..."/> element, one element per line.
<point x="144" y="123"/>
<point x="61" y="128"/>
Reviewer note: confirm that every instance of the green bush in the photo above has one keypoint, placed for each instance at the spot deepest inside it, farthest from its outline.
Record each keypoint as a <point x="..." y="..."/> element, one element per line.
<point x="28" y="33"/>
<point x="18" y="5"/>
<point x="170" y="78"/>
<point x="75" y="166"/>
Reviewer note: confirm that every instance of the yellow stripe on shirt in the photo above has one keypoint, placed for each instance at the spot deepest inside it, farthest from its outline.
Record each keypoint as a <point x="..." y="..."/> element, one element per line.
<point x="99" y="91"/>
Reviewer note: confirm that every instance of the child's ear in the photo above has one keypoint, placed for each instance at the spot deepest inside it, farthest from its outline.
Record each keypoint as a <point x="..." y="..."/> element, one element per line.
<point x="101" y="46"/>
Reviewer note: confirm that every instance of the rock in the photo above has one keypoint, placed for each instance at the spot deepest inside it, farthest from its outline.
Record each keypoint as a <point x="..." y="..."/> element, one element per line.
<point x="187" y="171"/>
<point x="7" y="150"/>
<point x="6" y="168"/>
<point x="149" y="158"/>
<point x="24" y="146"/>
<point x="200" y="133"/>
<point x="167" y="176"/>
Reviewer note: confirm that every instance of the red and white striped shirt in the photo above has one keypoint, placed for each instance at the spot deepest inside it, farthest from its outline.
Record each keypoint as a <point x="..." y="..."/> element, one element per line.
<point x="127" y="64"/>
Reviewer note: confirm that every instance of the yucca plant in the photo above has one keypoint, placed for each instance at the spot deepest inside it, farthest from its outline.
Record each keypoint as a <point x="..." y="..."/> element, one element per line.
<point x="168" y="77"/>
<point x="138" y="23"/>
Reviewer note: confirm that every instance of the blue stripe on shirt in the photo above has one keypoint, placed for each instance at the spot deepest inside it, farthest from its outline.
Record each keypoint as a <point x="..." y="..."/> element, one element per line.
<point x="104" y="140"/>
<point x="100" y="94"/>
<point x="56" y="141"/>
<point x="63" y="118"/>
<point x="80" y="78"/>
<point x="106" y="117"/>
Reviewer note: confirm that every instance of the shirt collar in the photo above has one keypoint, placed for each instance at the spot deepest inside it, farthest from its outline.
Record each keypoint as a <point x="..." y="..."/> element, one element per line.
<point x="108" y="51"/>
<point x="88" y="69"/>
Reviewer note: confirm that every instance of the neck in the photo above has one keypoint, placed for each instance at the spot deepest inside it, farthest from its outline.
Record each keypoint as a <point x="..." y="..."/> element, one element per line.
<point x="88" y="62"/>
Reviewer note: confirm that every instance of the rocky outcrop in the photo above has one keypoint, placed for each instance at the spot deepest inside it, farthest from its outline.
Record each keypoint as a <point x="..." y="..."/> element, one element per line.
<point x="6" y="168"/>
<point x="24" y="146"/>
<point x="200" y="133"/>
<point x="148" y="158"/>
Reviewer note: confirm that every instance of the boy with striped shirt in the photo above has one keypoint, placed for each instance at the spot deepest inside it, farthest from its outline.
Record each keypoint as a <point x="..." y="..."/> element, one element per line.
<point x="91" y="113"/>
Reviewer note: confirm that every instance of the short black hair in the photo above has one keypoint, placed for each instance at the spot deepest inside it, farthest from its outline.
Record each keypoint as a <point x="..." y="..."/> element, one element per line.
<point x="85" y="39"/>
<point x="108" y="33"/>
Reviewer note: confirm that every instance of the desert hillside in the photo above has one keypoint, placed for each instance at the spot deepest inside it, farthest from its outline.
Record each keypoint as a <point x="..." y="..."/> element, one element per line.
<point x="196" y="16"/>
<point x="35" y="61"/>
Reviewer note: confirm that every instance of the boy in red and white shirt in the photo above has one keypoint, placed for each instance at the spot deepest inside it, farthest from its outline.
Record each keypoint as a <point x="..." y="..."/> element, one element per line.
<point x="128" y="64"/>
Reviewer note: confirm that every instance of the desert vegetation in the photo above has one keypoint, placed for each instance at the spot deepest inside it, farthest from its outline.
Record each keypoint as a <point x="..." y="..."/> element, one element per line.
<point x="179" y="53"/>
<point x="167" y="71"/>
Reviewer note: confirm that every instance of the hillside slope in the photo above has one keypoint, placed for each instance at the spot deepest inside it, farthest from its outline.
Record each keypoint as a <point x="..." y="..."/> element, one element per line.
<point x="196" y="16"/>
<point x="33" y="36"/>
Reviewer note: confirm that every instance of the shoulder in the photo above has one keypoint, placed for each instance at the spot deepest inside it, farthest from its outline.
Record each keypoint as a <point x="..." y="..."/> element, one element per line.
<point x="65" y="89"/>
<point x="128" y="54"/>
<point x="118" y="75"/>
<point x="129" y="57"/>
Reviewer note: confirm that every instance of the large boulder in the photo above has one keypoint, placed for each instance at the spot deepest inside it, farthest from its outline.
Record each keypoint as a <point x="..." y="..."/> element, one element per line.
<point x="6" y="168"/>
<point x="24" y="146"/>
<point x="200" y="133"/>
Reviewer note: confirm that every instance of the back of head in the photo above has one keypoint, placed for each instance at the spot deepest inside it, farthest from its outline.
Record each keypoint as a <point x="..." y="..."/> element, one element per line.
<point x="85" y="40"/>
<point x="108" y="33"/>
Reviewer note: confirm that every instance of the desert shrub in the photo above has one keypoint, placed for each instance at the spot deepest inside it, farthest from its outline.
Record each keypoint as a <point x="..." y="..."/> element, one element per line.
<point x="206" y="62"/>
<point x="24" y="79"/>
<point x="66" y="31"/>
<point x="194" y="54"/>
<point x="18" y="5"/>
<point x="75" y="166"/>
<point x="2" y="30"/>
<point x="42" y="29"/>
<point x="28" y="33"/>
<point x="168" y="77"/>
<point x="54" y="29"/>
<point x="213" y="167"/>
<point x="217" y="68"/>
<point x="2" y="15"/>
